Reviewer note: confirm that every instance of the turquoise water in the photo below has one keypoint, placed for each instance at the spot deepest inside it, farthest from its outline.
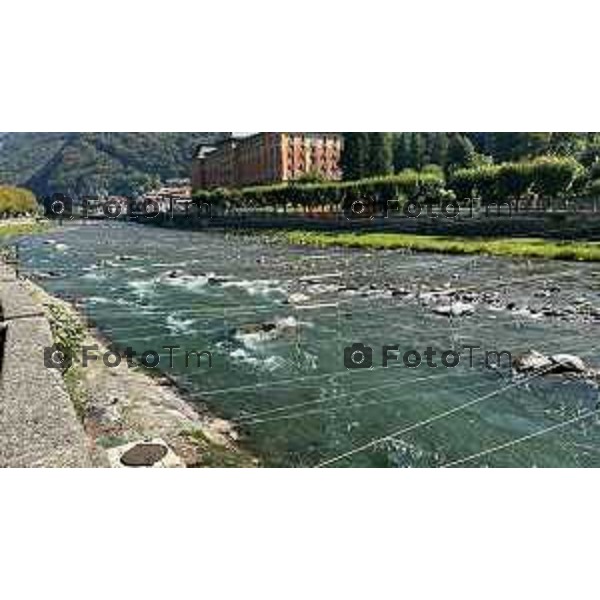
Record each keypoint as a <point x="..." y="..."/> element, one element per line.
<point x="287" y="387"/>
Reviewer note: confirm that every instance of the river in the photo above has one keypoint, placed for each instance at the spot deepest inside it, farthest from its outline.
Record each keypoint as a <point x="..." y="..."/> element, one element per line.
<point x="278" y="319"/>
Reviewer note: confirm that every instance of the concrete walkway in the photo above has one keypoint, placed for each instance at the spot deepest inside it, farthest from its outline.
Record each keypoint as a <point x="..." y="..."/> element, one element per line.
<point x="38" y="424"/>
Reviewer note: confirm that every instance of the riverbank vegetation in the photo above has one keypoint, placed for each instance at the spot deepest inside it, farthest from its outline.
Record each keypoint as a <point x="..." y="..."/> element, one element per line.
<point x="511" y="247"/>
<point x="68" y="334"/>
<point x="326" y="196"/>
<point x="16" y="202"/>
<point x="545" y="182"/>
<point x="549" y="179"/>
<point x="9" y="230"/>
<point x="18" y="208"/>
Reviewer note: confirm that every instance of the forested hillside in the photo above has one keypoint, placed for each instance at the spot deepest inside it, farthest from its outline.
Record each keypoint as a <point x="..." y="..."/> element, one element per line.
<point x="96" y="163"/>
<point x="374" y="154"/>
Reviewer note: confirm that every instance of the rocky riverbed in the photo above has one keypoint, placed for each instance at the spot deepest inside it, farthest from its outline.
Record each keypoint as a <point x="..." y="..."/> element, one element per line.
<point x="125" y="407"/>
<point x="279" y="318"/>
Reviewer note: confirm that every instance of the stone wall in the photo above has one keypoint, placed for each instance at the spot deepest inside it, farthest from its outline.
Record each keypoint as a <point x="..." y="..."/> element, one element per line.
<point x="38" y="423"/>
<point x="552" y="226"/>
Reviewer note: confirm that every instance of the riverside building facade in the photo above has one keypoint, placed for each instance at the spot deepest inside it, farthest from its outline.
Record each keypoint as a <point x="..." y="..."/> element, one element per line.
<point x="241" y="160"/>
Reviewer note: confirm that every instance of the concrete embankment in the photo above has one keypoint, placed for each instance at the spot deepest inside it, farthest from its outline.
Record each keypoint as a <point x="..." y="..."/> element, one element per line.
<point x="583" y="226"/>
<point x="38" y="423"/>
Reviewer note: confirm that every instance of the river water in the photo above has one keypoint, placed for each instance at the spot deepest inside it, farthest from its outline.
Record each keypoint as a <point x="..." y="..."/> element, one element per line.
<point x="278" y="319"/>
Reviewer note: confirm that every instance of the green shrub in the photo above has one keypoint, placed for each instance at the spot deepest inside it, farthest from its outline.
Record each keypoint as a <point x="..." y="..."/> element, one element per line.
<point x="16" y="202"/>
<point x="593" y="189"/>
<point x="479" y="182"/>
<point x="515" y="179"/>
<point x="68" y="333"/>
<point x="553" y="176"/>
<point x="547" y="176"/>
<point x="332" y="194"/>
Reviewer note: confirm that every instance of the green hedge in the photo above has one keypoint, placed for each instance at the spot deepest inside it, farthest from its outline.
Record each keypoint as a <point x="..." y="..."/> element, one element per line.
<point x="16" y="201"/>
<point x="547" y="177"/>
<point x="593" y="188"/>
<point x="329" y="194"/>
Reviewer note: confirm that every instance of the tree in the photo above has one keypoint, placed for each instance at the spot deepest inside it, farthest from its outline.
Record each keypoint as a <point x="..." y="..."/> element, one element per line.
<point x="514" y="180"/>
<point x="566" y="144"/>
<point x="590" y="155"/>
<point x="401" y="152"/>
<point x="551" y="177"/>
<point x="381" y="154"/>
<point x="554" y="176"/>
<point x="511" y="146"/>
<point x="439" y="149"/>
<point x="355" y="157"/>
<point x="417" y="151"/>
<point x="461" y="152"/>
<point x="16" y="201"/>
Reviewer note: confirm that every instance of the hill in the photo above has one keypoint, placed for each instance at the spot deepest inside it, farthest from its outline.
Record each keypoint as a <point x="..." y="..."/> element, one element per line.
<point x="92" y="163"/>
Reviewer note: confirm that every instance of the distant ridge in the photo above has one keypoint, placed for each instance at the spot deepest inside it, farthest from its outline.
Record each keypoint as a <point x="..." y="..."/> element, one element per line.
<point x="93" y="163"/>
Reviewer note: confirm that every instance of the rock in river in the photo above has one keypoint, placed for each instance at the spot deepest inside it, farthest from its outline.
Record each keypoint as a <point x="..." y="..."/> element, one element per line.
<point x="531" y="361"/>
<point x="297" y="298"/>
<point x="456" y="309"/>
<point x="568" y="363"/>
<point x="558" y="364"/>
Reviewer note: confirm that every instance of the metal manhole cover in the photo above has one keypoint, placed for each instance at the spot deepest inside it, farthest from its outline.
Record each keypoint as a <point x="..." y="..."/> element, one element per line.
<point x="144" y="455"/>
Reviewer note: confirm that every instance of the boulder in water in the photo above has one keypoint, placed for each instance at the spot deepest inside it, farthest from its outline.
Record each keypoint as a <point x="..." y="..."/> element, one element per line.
<point x="558" y="364"/>
<point x="553" y="312"/>
<point x="469" y="297"/>
<point x="177" y="274"/>
<point x="297" y="298"/>
<point x="216" y="279"/>
<point x="265" y="331"/>
<point x="253" y="328"/>
<point x="400" y="292"/>
<point x="455" y="310"/>
<point x="568" y="363"/>
<point x="48" y="275"/>
<point x="531" y="361"/>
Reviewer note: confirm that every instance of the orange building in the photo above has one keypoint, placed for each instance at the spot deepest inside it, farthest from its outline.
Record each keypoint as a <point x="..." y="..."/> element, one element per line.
<point x="263" y="158"/>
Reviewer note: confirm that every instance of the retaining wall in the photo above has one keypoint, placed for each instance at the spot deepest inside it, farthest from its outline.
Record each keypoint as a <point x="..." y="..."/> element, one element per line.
<point x="38" y="423"/>
<point x="584" y="226"/>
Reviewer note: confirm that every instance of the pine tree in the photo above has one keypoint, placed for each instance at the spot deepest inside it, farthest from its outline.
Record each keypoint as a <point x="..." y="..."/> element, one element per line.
<point x="355" y="156"/>
<point x="461" y="151"/>
<point x="566" y="144"/>
<point x="417" y="151"/>
<point x="364" y="144"/>
<point x="401" y="152"/>
<point x="381" y="154"/>
<point x="511" y="146"/>
<point x="503" y="145"/>
<point x="439" y="150"/>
